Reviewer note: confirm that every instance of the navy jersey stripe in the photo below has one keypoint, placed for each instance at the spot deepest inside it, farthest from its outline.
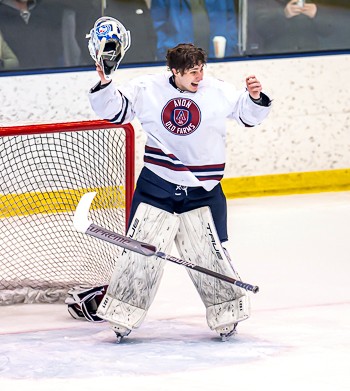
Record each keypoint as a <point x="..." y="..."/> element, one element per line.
<point x="180" y="167"/>
<point x="208" y="167"/>
<point x="122" y="113"/>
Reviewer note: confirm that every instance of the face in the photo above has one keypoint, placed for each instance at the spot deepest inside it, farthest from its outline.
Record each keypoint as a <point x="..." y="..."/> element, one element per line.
<point x="191" y="78"/>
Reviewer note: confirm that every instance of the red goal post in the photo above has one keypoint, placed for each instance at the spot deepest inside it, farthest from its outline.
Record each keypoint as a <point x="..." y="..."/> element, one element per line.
<point x="45" y="169"/>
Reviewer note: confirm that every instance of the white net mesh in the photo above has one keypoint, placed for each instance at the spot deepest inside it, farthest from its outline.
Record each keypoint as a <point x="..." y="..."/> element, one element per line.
<point x="43" y="178"/>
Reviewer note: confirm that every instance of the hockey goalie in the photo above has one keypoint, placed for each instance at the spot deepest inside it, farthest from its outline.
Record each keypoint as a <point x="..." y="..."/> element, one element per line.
<point x="178" y="196"/>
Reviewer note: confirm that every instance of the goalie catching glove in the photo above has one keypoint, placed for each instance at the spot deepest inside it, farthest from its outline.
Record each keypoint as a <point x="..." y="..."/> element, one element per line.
<point x="108" y="42"/>
<point x="83" y="302"/>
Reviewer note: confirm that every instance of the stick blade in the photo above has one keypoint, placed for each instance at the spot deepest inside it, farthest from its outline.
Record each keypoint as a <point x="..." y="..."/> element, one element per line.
<point x="80" y="220"/>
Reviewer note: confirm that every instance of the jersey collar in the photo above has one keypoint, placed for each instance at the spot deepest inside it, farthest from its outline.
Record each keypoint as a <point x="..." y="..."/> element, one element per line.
<point x="172" y="82"/>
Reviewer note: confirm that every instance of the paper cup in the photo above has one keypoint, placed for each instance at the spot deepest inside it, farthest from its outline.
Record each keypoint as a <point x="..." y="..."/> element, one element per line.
<point x="219" y="46"/>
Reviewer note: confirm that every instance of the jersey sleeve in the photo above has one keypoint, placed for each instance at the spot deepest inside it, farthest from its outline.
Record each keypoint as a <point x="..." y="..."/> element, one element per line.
<point x="251" y="113"/>
<point x="112" y="104"/>
<point x="242" y="108"/>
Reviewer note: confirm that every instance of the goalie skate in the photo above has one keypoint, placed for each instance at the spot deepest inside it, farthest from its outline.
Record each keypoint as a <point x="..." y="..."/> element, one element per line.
<point x="120" y="331"/>
<point x="227" y="332"/>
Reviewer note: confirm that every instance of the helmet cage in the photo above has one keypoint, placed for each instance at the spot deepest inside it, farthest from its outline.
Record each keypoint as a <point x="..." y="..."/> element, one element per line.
<point x="109" y="40"/>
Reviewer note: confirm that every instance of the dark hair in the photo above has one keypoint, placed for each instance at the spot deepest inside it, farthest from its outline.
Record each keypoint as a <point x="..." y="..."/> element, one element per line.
<point x="185" y="56"/>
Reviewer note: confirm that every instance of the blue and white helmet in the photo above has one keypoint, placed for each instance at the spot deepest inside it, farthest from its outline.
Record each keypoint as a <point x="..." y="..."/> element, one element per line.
<point x="109" y="40"/>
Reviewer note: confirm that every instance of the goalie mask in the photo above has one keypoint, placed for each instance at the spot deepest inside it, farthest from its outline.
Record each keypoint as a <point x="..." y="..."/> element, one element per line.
<point x="84" y="301"/>
<point x="109" y="40"/>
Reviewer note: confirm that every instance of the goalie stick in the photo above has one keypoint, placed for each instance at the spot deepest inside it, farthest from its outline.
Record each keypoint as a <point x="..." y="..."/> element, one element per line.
<point x="83" y="225"/>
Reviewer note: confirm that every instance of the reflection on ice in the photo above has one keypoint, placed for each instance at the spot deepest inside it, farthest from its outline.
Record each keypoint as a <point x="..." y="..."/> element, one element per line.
<point x="156" y="348"/>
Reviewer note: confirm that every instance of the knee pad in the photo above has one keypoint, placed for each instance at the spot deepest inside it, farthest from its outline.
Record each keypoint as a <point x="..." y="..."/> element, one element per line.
<point x="197" y="241"/>
<point x="136" y="278"/>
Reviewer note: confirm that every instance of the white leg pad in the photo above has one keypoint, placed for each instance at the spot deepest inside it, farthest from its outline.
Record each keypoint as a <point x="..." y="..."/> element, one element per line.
<point x="136" y="278"/>
<point x="197" y="241"/>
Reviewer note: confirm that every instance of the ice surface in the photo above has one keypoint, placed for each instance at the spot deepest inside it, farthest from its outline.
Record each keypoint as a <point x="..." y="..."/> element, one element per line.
<point x="296" y="248"/>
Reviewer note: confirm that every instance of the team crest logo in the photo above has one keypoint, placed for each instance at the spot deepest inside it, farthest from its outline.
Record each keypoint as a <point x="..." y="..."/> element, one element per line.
<point x="103" y="30"/>
<point x="181" y="116"/>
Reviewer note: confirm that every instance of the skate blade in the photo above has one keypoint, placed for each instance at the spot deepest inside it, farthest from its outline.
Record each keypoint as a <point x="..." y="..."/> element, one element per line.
<point x="118" y="338"/>
<point x="225" y="337"/>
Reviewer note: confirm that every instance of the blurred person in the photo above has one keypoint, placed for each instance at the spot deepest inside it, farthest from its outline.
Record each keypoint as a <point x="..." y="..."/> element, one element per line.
<point x="136" y="15"/>
<point x="77" y="17"/>
<point x="8" y="59"/>
<point x="45" y="33"/>
<point x="335" y="14"/>
<point x="294" y="8"/>
<point x="196" y="21"/>
<point x="293" y="26"/>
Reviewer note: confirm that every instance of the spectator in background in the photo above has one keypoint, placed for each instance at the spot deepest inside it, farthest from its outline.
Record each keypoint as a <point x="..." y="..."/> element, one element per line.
<point x="196" y="21"/>
<point x="48" y="33"/>
<point x="334" y="15"/>
<point x="295" y="8"/>
<point x="77" y="18"/>
<point x="284" y="26"/>
<point x="136" y="17"/>
<point x="8" y="59"/>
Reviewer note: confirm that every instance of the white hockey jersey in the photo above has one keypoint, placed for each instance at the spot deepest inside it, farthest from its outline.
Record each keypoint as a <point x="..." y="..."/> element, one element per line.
<point x="186" y="132"/>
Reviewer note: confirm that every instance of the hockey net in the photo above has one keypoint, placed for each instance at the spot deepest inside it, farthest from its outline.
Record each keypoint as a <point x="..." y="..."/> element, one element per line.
<point x="45" y="169"/>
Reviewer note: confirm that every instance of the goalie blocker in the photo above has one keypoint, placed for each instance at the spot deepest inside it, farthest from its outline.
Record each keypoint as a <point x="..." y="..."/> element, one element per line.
<point x="136" y="278"/>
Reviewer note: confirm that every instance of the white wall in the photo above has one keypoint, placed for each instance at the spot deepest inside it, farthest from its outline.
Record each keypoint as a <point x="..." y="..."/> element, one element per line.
<point x="308" y="129"/>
